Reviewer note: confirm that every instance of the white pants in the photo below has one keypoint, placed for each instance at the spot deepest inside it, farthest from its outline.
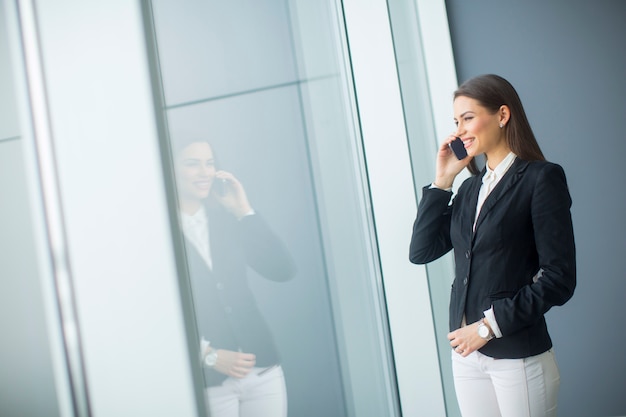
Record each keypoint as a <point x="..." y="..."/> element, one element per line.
<point x="262" y="393"/>
<point x="487" y="387"/>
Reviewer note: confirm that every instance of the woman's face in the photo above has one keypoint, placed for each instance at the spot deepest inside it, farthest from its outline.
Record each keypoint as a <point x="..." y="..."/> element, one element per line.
<point x="478" y="128"/>
<point x="195" y="171"/>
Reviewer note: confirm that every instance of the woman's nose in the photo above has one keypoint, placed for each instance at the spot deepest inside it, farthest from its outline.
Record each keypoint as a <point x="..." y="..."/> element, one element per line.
<point x="206" y="171"/>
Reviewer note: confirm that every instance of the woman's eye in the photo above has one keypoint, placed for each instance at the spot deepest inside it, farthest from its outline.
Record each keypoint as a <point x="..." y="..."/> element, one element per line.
<point x="467" y="119"/>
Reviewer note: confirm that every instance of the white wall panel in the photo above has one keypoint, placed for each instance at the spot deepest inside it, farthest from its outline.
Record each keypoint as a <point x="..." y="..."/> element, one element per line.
<point x="104" y="147"/>
<point x="394" y="206"/>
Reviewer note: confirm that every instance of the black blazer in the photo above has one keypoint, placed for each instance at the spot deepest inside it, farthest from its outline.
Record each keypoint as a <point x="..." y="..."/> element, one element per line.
<point x="227" y="313"/>
<point x="524" y="228"/>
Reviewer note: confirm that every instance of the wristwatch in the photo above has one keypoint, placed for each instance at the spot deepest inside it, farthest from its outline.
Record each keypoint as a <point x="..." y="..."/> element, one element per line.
<point x="211" y="358"/>
<point x="484" y="331"/>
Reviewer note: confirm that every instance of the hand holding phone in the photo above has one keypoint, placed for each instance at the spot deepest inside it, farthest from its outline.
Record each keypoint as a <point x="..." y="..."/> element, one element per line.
<point x="230" y="193"/>
<point x="219" y="185"/>
<point x="458" y="148"/>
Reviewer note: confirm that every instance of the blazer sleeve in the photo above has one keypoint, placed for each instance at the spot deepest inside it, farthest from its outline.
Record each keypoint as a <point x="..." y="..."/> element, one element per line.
<point x="431" y="229"/>
<point x="554" y="240"/>
<point x="264" y="251"/>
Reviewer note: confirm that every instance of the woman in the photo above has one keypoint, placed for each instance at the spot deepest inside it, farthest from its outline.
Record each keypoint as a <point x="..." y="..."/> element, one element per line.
<point x="511" y="231"/>
<point x="224" y="236"/>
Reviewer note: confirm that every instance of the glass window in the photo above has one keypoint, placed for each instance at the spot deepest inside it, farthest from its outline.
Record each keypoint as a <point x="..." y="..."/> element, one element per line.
<point x="418" y="100"/>
<point x="32" y="350"/>
<point x="274" y="204"/>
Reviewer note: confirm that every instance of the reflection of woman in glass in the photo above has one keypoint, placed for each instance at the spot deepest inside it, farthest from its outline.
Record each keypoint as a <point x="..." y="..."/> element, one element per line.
<point x="225" y="236"/>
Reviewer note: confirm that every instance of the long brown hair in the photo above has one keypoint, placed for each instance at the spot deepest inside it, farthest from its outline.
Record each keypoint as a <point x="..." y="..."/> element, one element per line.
<point x="492" y="91"/>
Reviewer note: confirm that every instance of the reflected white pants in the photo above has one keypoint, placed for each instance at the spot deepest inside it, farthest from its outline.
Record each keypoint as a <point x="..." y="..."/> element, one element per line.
<point x="262" y="393"/>
<point x="487" y="387"/>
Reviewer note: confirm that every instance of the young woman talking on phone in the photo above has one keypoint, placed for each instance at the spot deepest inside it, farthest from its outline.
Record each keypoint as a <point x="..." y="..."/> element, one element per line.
<point x="511" y="232"/>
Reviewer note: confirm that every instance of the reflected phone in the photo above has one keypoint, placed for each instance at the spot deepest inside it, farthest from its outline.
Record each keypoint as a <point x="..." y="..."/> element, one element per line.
<point x="219" y="186"/>
<point x="457" y="147"/>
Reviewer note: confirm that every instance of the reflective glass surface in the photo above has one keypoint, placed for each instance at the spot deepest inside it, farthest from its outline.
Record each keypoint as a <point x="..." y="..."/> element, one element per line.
<point x="273" y="206"/>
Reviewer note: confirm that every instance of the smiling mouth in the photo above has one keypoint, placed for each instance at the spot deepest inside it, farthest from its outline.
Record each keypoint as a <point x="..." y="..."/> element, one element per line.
<point x="203" y="185"/>
<point x="467" y="142"/>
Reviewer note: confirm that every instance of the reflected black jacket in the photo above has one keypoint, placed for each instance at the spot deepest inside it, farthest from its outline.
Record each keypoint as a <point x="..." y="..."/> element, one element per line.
<point x="227" y="313"/>
<point x="524" y="227"/>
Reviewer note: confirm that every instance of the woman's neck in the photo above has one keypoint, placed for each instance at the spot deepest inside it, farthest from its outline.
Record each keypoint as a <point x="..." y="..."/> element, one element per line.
<point x="496" y="156"/>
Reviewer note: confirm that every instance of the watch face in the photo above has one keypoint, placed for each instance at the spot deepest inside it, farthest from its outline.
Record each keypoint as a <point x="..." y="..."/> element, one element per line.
<point x="483" y="331"/>
<point x="211" y="359"/>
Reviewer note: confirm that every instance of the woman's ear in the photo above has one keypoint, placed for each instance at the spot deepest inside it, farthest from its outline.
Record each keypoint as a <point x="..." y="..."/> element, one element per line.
<point x="504" y="114"/>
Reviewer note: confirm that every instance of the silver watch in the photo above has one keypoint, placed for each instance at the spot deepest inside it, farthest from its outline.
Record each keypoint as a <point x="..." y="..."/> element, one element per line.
<point x="484" y="332"/>
<point x="211" y="358"/>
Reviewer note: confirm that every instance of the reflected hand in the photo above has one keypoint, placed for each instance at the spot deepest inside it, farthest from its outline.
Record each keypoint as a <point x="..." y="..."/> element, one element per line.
<point x="234" y="364"/>
<point x="448" y="166"/>
<point x="466" y="339"/>
<point x="234" y="197"/>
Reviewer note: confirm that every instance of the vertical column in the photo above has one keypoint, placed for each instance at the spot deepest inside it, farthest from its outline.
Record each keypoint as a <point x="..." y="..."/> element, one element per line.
<point x="109" y="201"/>
<point x="394" y="206"/>
<point x="35" y="351"/>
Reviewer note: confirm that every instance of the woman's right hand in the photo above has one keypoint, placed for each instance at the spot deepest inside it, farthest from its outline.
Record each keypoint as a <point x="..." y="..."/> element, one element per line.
<point x="234" y="364"/>
<point x="448" y="166"/>
<point x="234" y="197"/>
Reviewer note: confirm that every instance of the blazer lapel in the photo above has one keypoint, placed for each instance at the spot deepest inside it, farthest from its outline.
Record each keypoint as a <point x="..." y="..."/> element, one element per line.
<point x="506" y="183"/>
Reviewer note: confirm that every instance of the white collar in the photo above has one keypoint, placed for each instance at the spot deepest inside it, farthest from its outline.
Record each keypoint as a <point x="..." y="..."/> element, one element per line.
<point x="502" y="167"/>
<point x="199" y="217"/>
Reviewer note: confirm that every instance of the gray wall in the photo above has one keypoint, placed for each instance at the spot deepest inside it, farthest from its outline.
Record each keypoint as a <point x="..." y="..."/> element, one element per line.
<point x="567" y="61"/>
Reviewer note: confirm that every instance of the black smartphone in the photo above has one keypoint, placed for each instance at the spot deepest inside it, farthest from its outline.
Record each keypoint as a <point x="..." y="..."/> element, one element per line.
<point x="457" y="147"/>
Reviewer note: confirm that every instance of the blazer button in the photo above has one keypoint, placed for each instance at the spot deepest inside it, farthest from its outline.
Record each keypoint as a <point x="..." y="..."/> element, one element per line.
<point x="465" y="281"/>
<point x="468" y="254"/>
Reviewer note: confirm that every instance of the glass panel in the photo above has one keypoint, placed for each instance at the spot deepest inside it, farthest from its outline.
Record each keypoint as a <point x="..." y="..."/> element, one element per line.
<point x="32" y="381"/>
<point x="423" y="143"/>
<point x="257" y="93"/>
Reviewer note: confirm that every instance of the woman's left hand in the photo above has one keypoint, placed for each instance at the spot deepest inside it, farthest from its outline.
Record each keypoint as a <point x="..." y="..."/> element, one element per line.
<point x="229" y="192"/>
<point x="466" y="339"/>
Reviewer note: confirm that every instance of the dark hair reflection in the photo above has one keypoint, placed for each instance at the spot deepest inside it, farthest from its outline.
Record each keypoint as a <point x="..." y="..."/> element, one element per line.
<point x="224" y="236"/>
